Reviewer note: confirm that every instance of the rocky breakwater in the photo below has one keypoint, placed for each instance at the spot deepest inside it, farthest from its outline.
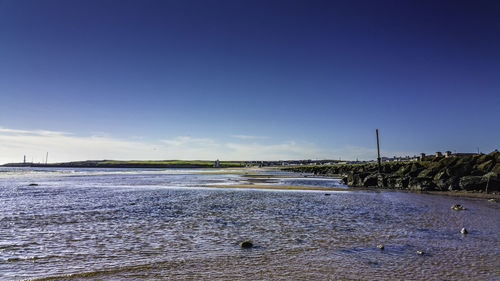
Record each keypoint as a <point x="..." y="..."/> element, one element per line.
<point x="472" y="172"/>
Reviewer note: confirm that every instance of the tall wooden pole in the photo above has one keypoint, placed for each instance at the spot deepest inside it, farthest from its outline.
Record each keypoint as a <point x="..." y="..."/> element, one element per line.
<point x="379" y="160"/>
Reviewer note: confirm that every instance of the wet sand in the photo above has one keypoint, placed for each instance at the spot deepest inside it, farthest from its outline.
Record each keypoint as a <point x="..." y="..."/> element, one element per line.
<point x="265" y="181"/>
<point x="271" y="186"/>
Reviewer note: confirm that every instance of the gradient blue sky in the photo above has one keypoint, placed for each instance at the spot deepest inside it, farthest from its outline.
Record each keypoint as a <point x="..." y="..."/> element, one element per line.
<point x="247" y="79"/>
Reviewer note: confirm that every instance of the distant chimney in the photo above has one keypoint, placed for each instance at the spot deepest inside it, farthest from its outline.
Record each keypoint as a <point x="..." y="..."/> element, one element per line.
<point x="24" y="161"/>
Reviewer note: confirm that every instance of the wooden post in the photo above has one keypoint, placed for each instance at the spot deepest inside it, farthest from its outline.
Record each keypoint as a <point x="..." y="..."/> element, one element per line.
<point x="379" y="160"/>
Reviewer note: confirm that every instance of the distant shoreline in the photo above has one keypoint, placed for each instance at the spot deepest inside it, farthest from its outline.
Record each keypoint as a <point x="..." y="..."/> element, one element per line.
<point x="132" y="164"/>
<point x="258" y="181"/>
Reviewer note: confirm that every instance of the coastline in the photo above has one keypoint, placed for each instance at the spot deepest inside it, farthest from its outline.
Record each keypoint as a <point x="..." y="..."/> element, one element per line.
<point x="132" y="164"/>
<point x="357" y="177"/>
<point x="467" y="194"/>
<point x="271" y="186"/>
<point x="457" y="175"/>
<point x="256" y="181"/>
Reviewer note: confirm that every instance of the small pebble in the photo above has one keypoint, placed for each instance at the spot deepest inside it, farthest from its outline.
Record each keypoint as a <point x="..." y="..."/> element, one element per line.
<point x="420" y="252"/>
<point x="457" y="207"/>
<point x="380" y="246"/>
<point x="463" y="231"/>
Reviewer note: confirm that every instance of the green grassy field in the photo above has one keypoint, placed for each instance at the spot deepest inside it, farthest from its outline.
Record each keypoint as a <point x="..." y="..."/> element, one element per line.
<point x="172" y="162"/>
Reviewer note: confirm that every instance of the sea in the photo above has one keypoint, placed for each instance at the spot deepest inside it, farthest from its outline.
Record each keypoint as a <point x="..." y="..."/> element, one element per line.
<point x="175" y="224"/>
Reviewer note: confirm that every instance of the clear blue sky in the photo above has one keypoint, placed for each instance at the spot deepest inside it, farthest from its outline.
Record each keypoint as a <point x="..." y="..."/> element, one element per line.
<point x="241" y="79"/>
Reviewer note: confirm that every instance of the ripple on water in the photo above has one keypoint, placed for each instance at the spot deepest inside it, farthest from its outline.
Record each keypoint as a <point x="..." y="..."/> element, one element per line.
<point x="82" y="227"/>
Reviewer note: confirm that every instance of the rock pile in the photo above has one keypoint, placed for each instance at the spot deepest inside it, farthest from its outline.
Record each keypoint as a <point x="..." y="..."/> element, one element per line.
<point x="478" y="172"/>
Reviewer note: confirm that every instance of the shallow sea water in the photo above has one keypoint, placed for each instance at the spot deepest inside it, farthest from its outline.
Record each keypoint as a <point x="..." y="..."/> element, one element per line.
<point x="109" y="224"/>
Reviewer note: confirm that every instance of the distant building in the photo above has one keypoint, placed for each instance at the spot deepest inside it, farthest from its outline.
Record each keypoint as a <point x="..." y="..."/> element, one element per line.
<point x="217" y="163"/>
<point x="422" y="156"/>
<point x="447" y="154"/>
<point x="438" y="154"/>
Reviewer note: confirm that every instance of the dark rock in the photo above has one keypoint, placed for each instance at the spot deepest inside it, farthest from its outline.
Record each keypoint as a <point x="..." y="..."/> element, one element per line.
<point x="457" y="207"/>
<point x="477" y="173"/>
<point x="246" y="244"/>
<point x="461" y="169"/>
<point x="381" y="181"/>
<point x="388" y="168"/>
<point x="421" y="184"/>
<point x="483" y="158"/>
<point x="415" y="170"/>
<point x="356" y="179"/>
<point x="392" y="181"/>
<point x="397" y="182"/>
<point x="370" y="181"/>
<point x="345" y="180"/>
<point x="443" y="174"/>
<point x="497" y="156"/>
<point x="492" y="182"/>
<point x="486" y="166"/>
<point x="448" y="162"/>
<point x="459" y="172"/>
<point x="442" y="185"/>
<point x="427" y="173"/>
<point x="402" y="182"/>
<point x="452" y="183"/>
<point x="33" y="184"/>
<point x="473" y="183"/>
<point x="404" y="170"/>
<point x="496" y="169"/>
<point x="431" y="170"/>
